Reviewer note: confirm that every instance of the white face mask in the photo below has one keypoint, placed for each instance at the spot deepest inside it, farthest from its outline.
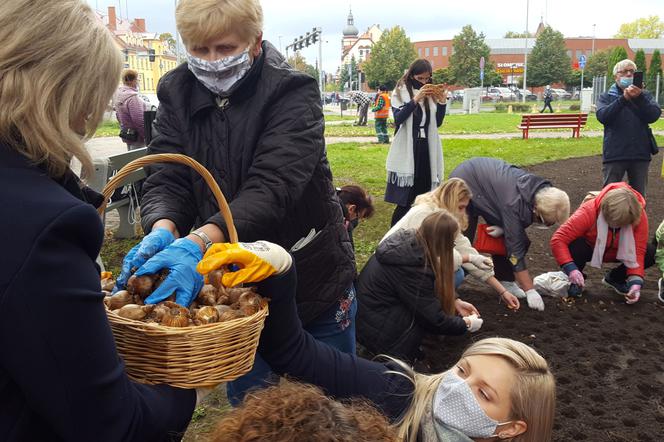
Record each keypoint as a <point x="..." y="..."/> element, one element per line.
<point x="219" y="76"/>
<point x="455" y="406"/>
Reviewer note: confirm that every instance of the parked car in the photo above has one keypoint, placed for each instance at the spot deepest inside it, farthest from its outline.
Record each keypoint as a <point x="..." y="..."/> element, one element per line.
<point x="561" y="94"/>
<point x="501" y="94"/>
<point x="529" y="95"/>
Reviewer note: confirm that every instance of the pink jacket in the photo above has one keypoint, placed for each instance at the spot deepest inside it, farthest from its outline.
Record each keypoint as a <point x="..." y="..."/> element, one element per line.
<point x="129" y="109"/>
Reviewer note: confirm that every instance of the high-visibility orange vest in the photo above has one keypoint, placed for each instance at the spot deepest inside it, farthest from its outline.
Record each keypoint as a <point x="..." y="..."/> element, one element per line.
<point x="383" y="112"/>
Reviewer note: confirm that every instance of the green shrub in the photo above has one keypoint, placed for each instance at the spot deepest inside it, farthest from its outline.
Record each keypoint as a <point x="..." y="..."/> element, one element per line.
<point x="575" y="107"/>
<point x="501" y="107"/>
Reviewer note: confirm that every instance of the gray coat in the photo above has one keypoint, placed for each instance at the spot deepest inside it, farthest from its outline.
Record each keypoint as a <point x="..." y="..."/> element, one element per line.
<point x="504" y="195"/>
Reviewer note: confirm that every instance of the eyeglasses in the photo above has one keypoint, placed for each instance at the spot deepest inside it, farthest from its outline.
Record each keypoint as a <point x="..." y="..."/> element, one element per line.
<point x="422" y="78"/>
<point x="626" y="71"/>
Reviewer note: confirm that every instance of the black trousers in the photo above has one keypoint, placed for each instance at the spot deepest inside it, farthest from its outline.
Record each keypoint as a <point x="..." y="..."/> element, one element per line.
<point x="582" y="253"/>
<point x="422" y="179"/>
<point x="636" y="171"/>
<point x="547" y="103"/>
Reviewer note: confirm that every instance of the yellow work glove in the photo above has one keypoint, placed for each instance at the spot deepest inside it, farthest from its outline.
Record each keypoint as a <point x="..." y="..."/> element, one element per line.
<point x="255" y="261"/>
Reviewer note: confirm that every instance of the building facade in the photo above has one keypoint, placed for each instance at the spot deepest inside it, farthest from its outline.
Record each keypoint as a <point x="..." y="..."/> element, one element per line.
<point x="142" y="51"/>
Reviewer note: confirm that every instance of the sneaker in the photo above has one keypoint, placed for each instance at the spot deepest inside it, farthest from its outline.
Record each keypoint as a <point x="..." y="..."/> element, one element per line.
<point x="514" y="289"/>
<point x="619" y="287"/>
<point x="660" y="292"/>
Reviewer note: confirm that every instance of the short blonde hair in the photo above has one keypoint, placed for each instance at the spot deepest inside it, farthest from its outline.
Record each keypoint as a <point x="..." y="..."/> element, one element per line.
<point x="622" y="65"/>
<point x="201" y="20"/>
<point x="552" y="204"/>
<point x="533" y="394"/>
<point x="447" y="196"/>
<point x="620" y="207"/>
<point x="59" y="68"/>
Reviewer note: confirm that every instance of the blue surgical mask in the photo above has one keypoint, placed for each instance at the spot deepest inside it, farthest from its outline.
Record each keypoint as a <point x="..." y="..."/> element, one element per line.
<point x="626" y="82"/>
<point x="455" y="406"/>
<point x="220" y="76"/>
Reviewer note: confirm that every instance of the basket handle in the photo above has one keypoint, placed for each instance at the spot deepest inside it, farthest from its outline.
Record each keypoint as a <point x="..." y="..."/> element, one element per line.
<point x="173" y="158"/>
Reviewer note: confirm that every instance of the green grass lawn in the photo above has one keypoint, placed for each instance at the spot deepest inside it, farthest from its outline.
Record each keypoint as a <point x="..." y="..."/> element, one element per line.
<point x="108" y="128"/>
<point x="486" y="122"/>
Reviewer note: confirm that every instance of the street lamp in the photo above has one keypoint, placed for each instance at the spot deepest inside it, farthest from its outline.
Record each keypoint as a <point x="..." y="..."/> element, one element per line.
<point x="525" y="55"/>
<point x="513" y="66"/>
<point x="592" y="52"/>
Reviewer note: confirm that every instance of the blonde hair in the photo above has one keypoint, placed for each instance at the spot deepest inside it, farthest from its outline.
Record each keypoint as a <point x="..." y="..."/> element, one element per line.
<point x="58" y="68"/>
<point x="201" y="20"/>
<point x="552" y="204"/>
<point x="436" y="235"/>
<point x="533" y="393"/>
<point x="622" y="65"/>
<point x="447" y="196"/>
<point x="620" y="207"/>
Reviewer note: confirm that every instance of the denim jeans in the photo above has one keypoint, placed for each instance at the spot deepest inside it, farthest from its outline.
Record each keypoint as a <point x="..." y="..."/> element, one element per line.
<point x="459" y="276"/>
<point x="335" y="327"/>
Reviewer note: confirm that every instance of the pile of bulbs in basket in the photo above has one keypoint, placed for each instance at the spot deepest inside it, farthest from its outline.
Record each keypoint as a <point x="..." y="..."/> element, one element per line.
<point x="214" y="303"/>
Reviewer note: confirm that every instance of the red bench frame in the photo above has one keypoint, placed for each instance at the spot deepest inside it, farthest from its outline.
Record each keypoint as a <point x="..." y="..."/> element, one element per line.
<point x="553" y="121"/>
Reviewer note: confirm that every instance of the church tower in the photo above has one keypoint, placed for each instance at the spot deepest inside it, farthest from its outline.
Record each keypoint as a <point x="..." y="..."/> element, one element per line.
<point x="350" y="32"/>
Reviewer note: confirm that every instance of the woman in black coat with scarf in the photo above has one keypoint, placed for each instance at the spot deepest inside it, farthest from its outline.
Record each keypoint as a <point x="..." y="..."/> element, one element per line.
<point x="415" y="160"/>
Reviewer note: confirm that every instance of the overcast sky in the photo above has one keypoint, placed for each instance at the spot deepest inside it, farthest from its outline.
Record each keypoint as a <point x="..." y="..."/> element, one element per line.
<point x="422" y="19"/>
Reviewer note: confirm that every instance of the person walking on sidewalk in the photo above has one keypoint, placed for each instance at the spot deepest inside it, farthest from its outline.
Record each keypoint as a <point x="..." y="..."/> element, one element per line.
<point x="381" y="109"/>
<point x="625" y="111"/>
<point x="548" y="97"/>
<point x="129" y="108"/>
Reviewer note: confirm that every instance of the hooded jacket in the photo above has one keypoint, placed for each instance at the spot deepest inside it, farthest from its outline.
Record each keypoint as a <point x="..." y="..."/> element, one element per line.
<point x="504" y="195"/>
<point x="263" y="144"/>
<point x="583" y="224"/>
<point x="397" y="299"/>
<point x="626" y="136"/>
<point x="129" y="109"/>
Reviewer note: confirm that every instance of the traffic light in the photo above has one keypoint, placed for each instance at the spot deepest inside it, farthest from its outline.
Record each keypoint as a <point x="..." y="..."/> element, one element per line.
<point x="307" y="40"/>
<point x="151" y="54"/>
<point x="314" y="38"/>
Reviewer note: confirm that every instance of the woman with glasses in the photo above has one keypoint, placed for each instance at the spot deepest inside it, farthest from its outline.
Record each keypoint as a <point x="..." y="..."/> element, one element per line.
<point x="625" y="111"/>
<point x="415" y="159"/>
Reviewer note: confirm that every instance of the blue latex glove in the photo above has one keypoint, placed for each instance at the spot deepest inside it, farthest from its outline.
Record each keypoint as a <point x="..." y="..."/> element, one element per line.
<point x="154" y="242"/>
<point x="180" y="258"/>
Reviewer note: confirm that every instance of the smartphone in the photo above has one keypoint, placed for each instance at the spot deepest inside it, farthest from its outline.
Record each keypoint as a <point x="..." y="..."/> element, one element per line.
<point x="638" y="79"/>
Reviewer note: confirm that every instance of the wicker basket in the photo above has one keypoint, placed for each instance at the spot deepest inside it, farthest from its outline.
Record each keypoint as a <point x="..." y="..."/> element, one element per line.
<point x="187" y="357"/>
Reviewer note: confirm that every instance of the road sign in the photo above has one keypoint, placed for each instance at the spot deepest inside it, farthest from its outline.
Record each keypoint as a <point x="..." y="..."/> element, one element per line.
<point x="481" y="74"/>
<point x="582" y="61"/>
<point x="482" y="64"/>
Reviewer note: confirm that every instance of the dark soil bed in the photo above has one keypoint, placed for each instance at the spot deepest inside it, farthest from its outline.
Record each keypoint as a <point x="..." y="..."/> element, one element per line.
<point x="607" y="356"/>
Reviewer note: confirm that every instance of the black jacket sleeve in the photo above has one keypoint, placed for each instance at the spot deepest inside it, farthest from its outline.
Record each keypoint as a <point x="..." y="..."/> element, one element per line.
<point x="58" y="348"/>
<point x="402" y="113"/>
<point x="608" y="109"/>
<point x="418" y="294"/>
<point x="287" y="153"/>
<point x="516" y="238"/>
<point x="167" y="192"/>
<point x="288" y="349"/>
<point x="440" y="113"/>
<point x="647" y="108"/>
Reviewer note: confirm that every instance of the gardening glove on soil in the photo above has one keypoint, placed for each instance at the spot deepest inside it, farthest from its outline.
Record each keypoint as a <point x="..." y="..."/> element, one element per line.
<point x="180" y="258"/>
<point x="495" y="231"/>
<point x="256" y="261"/>
<point x="481" y="262"/>
<point x="473" y="322"/>
<point x="152" y="243"/>
<point x="634" y="294"/>
<point x="534" y="299"/>
<point x="514" y="289"/>
<point x="576" y="277"/>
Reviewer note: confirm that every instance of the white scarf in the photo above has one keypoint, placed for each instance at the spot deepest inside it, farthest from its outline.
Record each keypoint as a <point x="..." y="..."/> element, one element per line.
<point x="626" y="244"/>
<point x="400" y="160"/>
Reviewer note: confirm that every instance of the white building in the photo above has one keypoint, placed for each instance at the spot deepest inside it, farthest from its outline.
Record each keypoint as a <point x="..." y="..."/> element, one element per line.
<point x="355" y="45"/>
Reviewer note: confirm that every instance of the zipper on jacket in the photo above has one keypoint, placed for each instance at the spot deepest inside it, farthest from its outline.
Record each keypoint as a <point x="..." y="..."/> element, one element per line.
<point x="222" y="103"/>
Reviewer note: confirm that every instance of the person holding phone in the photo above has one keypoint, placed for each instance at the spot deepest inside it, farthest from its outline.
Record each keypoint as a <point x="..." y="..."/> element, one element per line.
<point x="625" y="111"/>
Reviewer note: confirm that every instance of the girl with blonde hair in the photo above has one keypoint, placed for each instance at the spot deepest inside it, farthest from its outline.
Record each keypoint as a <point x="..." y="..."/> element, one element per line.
<point x="500" y="389"/>
<point x="406" y="289"/>
<point x="611" y="226"/>
<point x="61" y="377"/>
<point x="454" y="196"/>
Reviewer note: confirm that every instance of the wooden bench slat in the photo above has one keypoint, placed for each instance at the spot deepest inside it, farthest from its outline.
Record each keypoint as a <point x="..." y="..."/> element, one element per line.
<point x="553" y="121"/>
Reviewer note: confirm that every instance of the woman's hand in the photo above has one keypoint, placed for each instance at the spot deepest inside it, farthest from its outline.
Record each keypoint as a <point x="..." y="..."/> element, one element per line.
<point x="473" y="323"/>
<point x="481" y="262"/>
<point x="464" y="308"/>
<point x="511" y="300"/>
<point x="420" y="96"/>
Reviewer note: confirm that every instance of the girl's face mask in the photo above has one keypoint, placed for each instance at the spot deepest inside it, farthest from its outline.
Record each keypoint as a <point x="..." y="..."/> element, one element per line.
<point x="221" y="75"/>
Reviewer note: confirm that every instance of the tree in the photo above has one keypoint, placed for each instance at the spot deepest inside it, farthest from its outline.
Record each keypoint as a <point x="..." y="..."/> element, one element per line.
<point x="344" y="75"/>
<point x="512" y="34"/>
<point x="167" y="37"/>
<point x="655" y="68"/>
<point x="469" y="47"/>
<point x="640" y="60"/>
<point x="549" y="62"/>
<point x="598" y="63"/>
<point x="442" y="76"/>
<point x="390" y="57"/>
<point x="648" y="27"/>
<point x="617" y="54"/>
<point x="574" y="79"/>
<point x="298" y="62"/>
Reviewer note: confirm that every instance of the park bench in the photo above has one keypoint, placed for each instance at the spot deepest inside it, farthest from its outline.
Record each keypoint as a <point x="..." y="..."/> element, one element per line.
<point x="105" y="168"/>
<point x="553" y="121"/>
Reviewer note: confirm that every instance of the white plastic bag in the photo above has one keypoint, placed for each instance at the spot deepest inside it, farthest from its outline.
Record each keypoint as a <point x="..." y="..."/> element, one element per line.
<point x="552" y="284"/>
